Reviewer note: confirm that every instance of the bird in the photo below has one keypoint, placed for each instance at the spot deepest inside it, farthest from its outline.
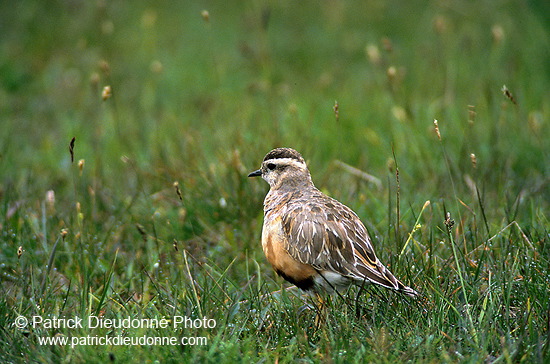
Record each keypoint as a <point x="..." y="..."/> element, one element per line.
<point x="312" y="240"/>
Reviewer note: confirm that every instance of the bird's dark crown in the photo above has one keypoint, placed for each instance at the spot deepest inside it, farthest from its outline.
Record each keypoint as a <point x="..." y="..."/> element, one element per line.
<point x="284" y="153"/>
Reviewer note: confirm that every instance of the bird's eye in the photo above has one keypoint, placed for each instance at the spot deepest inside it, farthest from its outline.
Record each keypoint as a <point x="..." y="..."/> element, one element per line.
<point x="271" y="166"/>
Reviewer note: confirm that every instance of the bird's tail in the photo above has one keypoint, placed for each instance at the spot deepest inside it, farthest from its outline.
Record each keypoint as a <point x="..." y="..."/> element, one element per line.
<point x="406" y="290"/>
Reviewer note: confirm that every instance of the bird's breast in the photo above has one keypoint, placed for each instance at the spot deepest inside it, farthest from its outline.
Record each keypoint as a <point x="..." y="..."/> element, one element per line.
<point x="274" y="241"/>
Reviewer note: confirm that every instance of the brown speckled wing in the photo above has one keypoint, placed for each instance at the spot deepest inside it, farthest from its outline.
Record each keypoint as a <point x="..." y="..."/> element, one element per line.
<point x="324" y="233"/>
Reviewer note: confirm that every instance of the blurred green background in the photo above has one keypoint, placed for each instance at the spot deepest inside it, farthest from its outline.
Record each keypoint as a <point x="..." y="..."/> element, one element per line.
<point x="202" y="90"/>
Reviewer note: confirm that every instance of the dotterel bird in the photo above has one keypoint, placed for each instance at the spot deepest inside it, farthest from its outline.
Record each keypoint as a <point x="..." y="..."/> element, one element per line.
<point x="312" y="240"/>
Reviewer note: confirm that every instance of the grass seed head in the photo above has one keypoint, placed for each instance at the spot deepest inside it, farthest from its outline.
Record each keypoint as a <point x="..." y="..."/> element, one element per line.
<point x="391" y="72"/>
<point x="156" y="67"/>
<point x="71" y="148"/>
<point x="80" y="166"/>
<point x="471" y="114"/>
<point x="94" y="80"/>
<point x="106" y="93"/>
<point x="440" y="24"/>
<point x="373" y="54"/>
<point x="535" y="120"/>
<point x="178" y="191"/>
<point x="390" y="163"/>
<point x="107" y="27"/>
<point x="498" y="33"/>
<point x="436" y="125"/>
<point x="399" y="113"/>
<point x="149" y="19"/>
<point x="508" y="94"/>
<point x="104" y="67"/>
<point x="142" y="232"/>
<point x="449" y="223"/>
<point x="388" y="46"/>
<point x="473" y="158"/>
<point x="205" y="15"/>
<point x="50" y="200"/>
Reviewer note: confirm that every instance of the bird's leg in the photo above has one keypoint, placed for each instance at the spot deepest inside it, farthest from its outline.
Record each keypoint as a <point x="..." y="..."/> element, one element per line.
<point x="315" y="302"/>
<point x="322" y="312"/>
<point x="357" y="306"/>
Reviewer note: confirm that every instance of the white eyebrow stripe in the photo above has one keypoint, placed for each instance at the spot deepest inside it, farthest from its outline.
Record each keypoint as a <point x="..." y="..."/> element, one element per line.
<point x="286" y="161"/>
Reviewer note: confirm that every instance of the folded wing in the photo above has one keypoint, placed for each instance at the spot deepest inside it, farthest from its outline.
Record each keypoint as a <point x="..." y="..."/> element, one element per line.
<point x="332" y="238"/>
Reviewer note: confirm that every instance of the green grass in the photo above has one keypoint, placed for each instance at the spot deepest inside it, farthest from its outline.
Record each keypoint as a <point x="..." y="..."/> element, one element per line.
<point x="200" y="101"/>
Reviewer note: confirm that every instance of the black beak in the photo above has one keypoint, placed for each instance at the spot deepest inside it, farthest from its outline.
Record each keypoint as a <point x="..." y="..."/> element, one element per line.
<point x="256" y="173"/>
